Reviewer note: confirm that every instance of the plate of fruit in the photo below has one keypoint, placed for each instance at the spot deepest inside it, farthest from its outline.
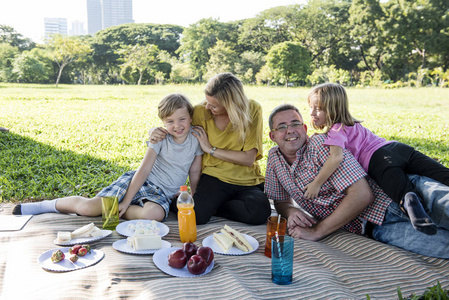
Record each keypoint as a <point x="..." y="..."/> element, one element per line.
<point x="188" y="261"/>
<point x="69" y="258"/>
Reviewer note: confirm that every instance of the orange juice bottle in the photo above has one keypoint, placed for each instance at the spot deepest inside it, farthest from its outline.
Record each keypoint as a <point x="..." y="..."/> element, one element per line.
<point x="186" y="216"/>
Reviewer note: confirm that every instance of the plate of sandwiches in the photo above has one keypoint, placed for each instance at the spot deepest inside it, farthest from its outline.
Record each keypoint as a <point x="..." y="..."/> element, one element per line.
<point x="231" y="242"/>
<point x="85" y="234"/>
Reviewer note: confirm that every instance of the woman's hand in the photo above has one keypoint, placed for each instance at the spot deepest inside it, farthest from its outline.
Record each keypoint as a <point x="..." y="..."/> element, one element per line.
<point x="157" y="134"/>
<point x="202" y="137"/>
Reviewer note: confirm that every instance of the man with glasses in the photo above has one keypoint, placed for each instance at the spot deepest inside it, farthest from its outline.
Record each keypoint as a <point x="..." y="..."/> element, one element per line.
<point x="348" y="199"/>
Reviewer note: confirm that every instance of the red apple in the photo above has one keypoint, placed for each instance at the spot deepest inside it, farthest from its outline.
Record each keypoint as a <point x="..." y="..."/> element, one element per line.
<point x="189" y="249"/>
<point x="206" y="253"/>
<point x="196" y="265"/>
<point x="177" y="259"/>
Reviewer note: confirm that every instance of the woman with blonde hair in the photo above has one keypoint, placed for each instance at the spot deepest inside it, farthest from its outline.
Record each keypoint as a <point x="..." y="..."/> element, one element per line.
<point x="229" y="128"/>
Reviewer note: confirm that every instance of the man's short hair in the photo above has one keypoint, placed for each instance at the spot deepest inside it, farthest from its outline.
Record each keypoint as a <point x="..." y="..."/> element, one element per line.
<point x="282" y="107"/>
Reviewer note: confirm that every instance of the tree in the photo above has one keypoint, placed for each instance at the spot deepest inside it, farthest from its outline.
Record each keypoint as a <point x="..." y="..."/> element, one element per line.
<point x="107" y="41"/>
<point x="321" y="26"/>
<point x="268" y="28"/>
<point x="140" y="58"/>
<point x="366" y="17"/>
<point x="248" y="65"/>
<point x="289" y="61"/>
<point x="32" y="67"/>
<point x="10" y="36"/>
<point x="222" y="59"/>
<point x="7" y="55"/>
<point x="66" y="50"/>
<point x="198" y="38"/>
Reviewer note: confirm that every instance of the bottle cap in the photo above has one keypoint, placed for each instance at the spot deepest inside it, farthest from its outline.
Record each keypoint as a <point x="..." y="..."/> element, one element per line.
<point x="183" y="188"/>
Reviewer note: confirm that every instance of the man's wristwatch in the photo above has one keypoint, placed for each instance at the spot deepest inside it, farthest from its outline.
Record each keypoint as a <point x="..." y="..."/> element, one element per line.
<point x="212" y="151"/>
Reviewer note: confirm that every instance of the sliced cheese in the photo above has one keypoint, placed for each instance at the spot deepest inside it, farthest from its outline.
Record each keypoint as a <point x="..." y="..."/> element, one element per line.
<point x="145" y="242"/>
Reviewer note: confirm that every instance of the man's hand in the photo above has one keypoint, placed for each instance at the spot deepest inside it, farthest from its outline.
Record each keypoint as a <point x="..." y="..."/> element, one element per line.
<point x="310" y="234"/>
<point x="299" y="218"/>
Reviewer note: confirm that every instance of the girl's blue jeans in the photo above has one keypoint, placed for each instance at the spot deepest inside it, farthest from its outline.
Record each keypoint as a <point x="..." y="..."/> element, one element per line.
<point x="397" y="230"/>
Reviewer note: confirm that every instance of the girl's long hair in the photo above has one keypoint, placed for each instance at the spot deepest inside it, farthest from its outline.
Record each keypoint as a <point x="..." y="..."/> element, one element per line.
<point x="333" y="100"/>
<point x="227" y="89"/>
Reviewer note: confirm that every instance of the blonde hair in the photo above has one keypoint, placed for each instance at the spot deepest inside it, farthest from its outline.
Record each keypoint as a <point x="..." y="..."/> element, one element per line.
<point x="172" y="102"/>
<point x="227" y="89"/>
<point x="333" y="100"/>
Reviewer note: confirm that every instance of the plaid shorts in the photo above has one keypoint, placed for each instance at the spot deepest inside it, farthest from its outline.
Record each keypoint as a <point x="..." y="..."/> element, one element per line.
<point x="148" y="191"/>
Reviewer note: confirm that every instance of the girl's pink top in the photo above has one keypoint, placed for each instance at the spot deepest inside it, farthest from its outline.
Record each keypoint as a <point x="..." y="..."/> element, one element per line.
<point x="360" y="141"/>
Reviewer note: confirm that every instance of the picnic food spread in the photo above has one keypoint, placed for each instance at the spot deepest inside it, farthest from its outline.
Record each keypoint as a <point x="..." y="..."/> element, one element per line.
<point x="145" y="237"/>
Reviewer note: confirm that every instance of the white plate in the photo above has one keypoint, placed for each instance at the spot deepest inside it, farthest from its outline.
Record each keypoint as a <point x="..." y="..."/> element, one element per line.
<point x="66" y="265"/>
<point x="84" y="240"/>
<point x="122" y="246"/>
<point x="122" y="228"/>
<point x="160" y="259"/>
<point x="209" y="242"/>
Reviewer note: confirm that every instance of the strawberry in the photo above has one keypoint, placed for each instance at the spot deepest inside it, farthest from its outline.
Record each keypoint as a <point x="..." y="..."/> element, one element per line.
<point x="73" y="258"/>
<point x="74" y="249"/>
<point x="87" y="246"/>
<point x="57" y="256"/>
<point x="82" y="251"/>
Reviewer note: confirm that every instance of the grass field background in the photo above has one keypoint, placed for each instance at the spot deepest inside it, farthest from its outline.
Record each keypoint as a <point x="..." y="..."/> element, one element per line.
<point x="76" y="139"/>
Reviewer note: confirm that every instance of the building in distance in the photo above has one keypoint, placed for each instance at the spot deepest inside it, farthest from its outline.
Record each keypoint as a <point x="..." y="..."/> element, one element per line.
<point x="102" y="14"/>
<point x="55" y="26"/>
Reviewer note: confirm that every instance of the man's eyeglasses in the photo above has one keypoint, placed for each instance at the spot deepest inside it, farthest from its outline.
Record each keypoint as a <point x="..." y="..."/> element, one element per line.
<point x="284" y="127"/>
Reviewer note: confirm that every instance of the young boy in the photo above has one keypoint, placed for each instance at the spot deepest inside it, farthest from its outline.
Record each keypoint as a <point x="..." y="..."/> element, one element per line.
<point x="147" y="192"/>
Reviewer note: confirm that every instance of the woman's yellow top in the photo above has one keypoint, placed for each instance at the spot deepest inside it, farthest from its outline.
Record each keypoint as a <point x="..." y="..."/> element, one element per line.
<point x="230" y="140"/>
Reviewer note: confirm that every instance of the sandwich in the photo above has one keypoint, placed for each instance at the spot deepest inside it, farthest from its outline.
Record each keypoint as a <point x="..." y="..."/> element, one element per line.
<point x="237" y="238"/>
<point x="223" y="242"/>
<point x="63" y="237"/>
<point x="89" y="230"/>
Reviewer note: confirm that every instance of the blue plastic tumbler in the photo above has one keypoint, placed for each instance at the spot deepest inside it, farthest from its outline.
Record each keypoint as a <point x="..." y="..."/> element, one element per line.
<point x="282" y="259"/>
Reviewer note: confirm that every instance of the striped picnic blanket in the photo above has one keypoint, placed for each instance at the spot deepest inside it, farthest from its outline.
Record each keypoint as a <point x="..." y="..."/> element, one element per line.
<point x="342" y="266"/>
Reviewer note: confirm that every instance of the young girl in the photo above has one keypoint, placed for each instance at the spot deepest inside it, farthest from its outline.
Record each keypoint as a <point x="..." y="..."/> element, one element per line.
<point x="147" y="192"/>
<point x="387" y="162"/>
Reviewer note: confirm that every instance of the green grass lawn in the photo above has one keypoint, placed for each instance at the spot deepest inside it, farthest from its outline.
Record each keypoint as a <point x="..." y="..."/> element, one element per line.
<point x="76" y="139"/>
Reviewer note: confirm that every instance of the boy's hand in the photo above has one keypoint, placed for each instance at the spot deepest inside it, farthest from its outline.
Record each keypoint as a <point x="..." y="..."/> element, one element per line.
<point x="122" y="208"/>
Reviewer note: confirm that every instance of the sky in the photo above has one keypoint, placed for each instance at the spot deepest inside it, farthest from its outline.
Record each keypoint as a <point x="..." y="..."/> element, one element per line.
<point x="27" y="16"/>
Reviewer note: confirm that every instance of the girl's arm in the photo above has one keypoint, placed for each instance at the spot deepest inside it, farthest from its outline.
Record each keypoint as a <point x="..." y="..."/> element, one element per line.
<point x="329" y="167"/>
<point x="138" y="179"/>
<point x="245" y="158"/>
<point x="195" y="173"/>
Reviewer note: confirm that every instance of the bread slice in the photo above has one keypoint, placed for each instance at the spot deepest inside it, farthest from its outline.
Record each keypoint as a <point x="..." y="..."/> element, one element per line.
<point x="223" y="242"/>
<point x="63" y="236"/>
<point x="237" y="238"/>
<point x="83" y="231"/>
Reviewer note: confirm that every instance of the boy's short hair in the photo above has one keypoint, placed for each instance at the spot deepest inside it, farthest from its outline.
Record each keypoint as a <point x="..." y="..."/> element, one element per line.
<point x="172" y="102"/>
